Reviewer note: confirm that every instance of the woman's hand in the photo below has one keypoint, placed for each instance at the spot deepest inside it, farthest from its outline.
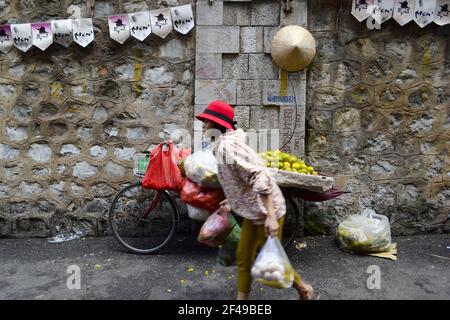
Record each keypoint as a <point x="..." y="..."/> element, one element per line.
<point x="225" y="206"/>
<point x="271" y="226"/>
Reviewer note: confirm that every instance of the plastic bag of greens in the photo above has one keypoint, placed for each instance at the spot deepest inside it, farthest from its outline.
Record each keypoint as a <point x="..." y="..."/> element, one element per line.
<point x="227" y="252"/>
<point x="366" y="232"/>
<point x="272" y="266"/>
<point x="201" y="167"/>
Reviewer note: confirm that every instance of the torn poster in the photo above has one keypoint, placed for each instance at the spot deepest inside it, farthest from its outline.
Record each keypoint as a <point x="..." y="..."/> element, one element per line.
<point x="161" y="22"/>
<point x="183" y="18"/>
<point x="361" y="9"/>
<point x="383" y="10"/>
<point x="83" y="31"/>
<point x="442" y="15"/>
<point x="403" y="11"/>
<point x="140" y="25"/>
<point x="119" y="28"/>
<point x="6" y="42"/>
<point x="22" y="36"/>
<point x="62" y="32"/>
<point x="42" y="34"/>
<point x="424" y="12"/>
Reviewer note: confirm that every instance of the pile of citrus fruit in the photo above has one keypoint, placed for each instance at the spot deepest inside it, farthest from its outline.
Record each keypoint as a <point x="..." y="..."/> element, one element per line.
<point x="287" y="162"/>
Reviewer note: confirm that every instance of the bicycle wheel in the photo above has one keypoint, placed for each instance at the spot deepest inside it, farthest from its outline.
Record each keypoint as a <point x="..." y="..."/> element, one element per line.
<point x="291" y="223"/>
<point x="143" y="220"/>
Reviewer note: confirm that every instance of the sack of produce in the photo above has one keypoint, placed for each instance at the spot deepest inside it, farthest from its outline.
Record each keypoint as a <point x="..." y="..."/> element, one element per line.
<point x="366" y="232"/>
<point x="272" y="266"/>
<point x="198" y="214"/>
<point x="216" y="229"/>
<point x="201" y="197"/>
<point x="201" y="167"/>
<point x="227" y="252"/>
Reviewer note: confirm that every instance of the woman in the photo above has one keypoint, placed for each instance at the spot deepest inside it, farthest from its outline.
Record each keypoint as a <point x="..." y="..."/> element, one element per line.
<point x="251" y="193"/>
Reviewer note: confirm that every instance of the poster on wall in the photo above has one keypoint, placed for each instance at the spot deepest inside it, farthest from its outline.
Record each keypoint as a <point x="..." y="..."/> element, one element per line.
<point x="424" y="12"/>
<point x="442" y="15"/>
<point x="362" y="9"/>
<point x="22" y="36"/>
<point x="62" y="32"/>
<point x="83" y="31"/>
<point x="140" y="25"/>
<point x="403" y="11"/>
<point x="183" y="18"/>
<point x="6" y="42"/>
<point x="119" y="27"/>
<point x="42" y="34"/>
<point x="383" y="10"/>
<point x="161" y="22"/>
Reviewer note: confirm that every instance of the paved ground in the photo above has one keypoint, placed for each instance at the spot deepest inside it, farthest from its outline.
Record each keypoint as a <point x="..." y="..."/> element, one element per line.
<point x="35" y="269"/>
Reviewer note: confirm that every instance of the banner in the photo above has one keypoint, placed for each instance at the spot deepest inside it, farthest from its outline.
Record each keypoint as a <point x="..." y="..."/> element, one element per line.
<point x="183" y="18"/>
<point x="442" y="15"/>
<point x="403" y="11"/>
<point x="161" y="22"/>
<point x="361" y="9"/>
<point x="119" y="28"/>
<point x="22" y="36"/>
<point x="383" y="10"/>
<point x="83" y="31"/>
<point x="140" y="25"/>
<point x="42" y="34"/>
<point x="424" y="12"/>
<point x="62" y="32"/>
<point x="6" y="42"/>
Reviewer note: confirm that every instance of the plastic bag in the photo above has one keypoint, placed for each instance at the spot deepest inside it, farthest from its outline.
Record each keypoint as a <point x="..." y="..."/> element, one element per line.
<point x="201" y="167"/>
<point x="200" y="197"/>
<point x="227" y="252"/>
<point x="163" y="172"/>
<point x="216" y="229"/>
<point x="197" y="213"/>
<point x="367" y="232"/>
<point x="272" y="266"/>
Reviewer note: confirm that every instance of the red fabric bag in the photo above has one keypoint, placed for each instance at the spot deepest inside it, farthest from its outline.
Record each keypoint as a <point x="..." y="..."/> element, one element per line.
<point x="163" y="172"/>
<point x="200" y="197"/>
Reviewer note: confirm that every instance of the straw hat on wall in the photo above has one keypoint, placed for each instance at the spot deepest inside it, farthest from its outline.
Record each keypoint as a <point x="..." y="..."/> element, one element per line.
<point x="293" y="48"/>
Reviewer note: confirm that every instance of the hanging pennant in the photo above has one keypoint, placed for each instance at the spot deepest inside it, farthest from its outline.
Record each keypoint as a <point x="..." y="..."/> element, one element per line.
<point x="42" y="34"/>
<point x="383" y="10"/>
<point x="442" y="15"/>
<point x="119" y="28"/>
<point x="83" y="31"/>
<point x="140" y="25"/>
<point x="22" y="36"/>
<point x="62" y="32"/>
<point x="403" y="11"/>
<point x="161" y="22"/>
<point x="183" y="18"/>
<point x="424" y="12"/>
<point x="361" y="9"/>
<point x="6" y="42"/>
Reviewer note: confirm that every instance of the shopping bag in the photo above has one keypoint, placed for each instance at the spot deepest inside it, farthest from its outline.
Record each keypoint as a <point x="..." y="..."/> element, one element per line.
<point x="272" y="266"/>
<point x="227" y="252"/>
<point x="200" y="197"/>
<point x="201" y="168"/>
<point x="216" y="228"/>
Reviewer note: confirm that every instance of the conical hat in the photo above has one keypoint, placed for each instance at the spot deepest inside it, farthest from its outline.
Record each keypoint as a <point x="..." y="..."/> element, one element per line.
<point x="293" y="48"/>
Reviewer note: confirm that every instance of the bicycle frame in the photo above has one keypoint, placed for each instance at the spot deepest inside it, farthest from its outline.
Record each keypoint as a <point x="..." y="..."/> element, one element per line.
<point x="153" y="205"/>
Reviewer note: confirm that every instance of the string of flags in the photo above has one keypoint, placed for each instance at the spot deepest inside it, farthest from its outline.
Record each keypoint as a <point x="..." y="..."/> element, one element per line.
<point x="81" y="31"/>
<point x="422" y="12"/>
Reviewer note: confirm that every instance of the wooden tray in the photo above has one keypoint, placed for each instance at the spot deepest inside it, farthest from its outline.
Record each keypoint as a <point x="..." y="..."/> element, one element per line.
<point x="303" y="181"/>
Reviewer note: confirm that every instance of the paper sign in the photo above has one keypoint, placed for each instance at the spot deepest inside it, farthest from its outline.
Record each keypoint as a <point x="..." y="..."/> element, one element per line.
<point x="403" y="11"/>
<point x="383" y="10"/>
<point x="183" y="18"/>
<point x="424" y="12"/>
<point x="22" y="36"/>
<point x="42" y="34"/>
<point x="6" y="42"/>
<point x="140" y="25"/>
<point x="442" y="15"/>
<point x="161" y="22"/>
<point x="83" y="31"/>
<point x="361" y="9"/>
<point x="62" y="32"/>
<point x="119" y="28"/>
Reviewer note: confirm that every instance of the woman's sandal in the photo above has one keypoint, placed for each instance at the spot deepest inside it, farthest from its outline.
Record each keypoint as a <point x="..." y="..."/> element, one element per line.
<point x="314" y="295"/>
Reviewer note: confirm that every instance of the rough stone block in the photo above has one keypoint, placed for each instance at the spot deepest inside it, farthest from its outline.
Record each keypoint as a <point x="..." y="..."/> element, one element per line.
<point x="235" y="66"/>
<point x="208" y="90"/>
<point x="252" y="39"/>
<point x="209" y="14"/>
<point x="265" y="13"/>
<point x="264" y="117"/>
<point x="298" y="16"/>
<point x="277" y="93"/>
<point x="292" y="129"/>
<point x="249" y="92"/>
<point x="269" y="33"/>
<point x="208" y="66"/>
<point x="261" y="66"/>
<point x="236" y="14"/>
<point x="242" y="116"/>
<point x="214" y="39"/>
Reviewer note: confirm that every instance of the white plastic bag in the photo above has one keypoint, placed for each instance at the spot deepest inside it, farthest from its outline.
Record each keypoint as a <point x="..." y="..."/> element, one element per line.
<point x="201" y="167"/>
<point x="272" y="266"/>
<point x="366" y="232"/>
<point x="197" y="213"/>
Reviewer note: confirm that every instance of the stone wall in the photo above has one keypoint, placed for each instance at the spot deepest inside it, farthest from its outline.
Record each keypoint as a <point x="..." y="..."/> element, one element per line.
<point x="378" y="118"/>
<point x="72" y="119"/>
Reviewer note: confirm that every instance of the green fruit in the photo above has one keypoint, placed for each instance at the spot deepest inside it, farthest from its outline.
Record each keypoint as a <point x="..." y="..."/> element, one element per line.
<point x="274" y="165"/>
<point x="295" y="166"/>
<point x="292" y="159"/>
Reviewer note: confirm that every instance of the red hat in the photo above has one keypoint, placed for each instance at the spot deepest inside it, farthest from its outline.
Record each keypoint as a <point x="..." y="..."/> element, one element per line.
<point x="219" y="112"/>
